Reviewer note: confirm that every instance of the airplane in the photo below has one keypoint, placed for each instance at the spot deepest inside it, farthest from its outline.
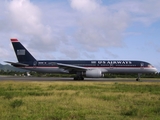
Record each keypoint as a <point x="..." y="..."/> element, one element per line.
<point x="81" y="68"/>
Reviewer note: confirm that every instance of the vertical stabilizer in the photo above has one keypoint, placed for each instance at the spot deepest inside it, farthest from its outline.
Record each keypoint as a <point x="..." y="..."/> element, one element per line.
<point x="21" y="52"/>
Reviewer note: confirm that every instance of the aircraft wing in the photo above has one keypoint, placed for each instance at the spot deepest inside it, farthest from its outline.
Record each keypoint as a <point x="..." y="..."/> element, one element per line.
<point x="71" y="67"/>
<point x="17" y="64"/>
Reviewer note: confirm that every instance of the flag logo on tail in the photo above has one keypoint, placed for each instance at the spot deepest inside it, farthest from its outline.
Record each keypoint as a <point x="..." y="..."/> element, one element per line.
<point x="21" y="52"/>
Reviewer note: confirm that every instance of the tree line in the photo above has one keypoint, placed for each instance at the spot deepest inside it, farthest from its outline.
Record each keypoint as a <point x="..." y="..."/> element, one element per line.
<point x="107" y="75"/>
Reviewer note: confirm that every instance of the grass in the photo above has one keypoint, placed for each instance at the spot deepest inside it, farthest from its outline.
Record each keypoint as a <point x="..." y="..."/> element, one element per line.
<point x="79" y="101"/>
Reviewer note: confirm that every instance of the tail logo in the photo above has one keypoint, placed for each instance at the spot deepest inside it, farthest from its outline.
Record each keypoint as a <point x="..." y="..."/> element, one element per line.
<point x="21" y="52"/>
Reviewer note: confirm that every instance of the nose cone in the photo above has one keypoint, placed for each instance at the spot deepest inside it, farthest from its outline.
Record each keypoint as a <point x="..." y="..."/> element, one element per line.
<point x="155" y="70"/>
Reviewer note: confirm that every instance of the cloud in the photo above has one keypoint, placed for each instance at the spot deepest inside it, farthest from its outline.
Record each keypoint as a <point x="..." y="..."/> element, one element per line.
<point x="4" y="53"/>
<point x="149" y="12"/>
<point x="70" y="52"/>
<point x="97" y="26"/>
<point x="74" y="28"/>
<point x="25" y="16"/>
<point x="24" y="20"/>
<point x="84" y="5"/>
<point x="144" y="11"/>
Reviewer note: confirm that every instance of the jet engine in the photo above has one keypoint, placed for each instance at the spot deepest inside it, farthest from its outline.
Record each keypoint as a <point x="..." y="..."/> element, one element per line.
<point x="94" y="73"/>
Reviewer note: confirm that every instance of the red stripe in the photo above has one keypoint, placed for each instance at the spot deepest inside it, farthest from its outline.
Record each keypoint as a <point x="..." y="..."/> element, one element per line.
<point x="84" y="67"/>
<point x="14" y="40"/>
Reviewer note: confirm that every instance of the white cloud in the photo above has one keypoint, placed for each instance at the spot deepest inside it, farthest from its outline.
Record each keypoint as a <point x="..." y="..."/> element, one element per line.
<point x="85" y="5"/>
<point x="25" y="22"/>
<point x="98" y="26"/>
<point x="3" y="52"/>
<point x="144" y="11"/>
<point x="70" y="52"/>
<point x="25" y="16"/>
<point x="150" y="10"/>
<point x="77" y="29"/>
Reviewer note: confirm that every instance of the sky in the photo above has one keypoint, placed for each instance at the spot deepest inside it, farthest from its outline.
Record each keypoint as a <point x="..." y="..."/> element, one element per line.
<point x="82" y="29"/>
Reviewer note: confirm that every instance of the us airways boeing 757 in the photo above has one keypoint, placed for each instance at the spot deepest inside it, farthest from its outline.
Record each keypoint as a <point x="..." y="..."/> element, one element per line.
<point x="81" y="68"/>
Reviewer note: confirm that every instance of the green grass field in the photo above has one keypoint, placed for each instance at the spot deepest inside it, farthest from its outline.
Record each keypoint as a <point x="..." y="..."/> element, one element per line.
<point x="79" y="101"/>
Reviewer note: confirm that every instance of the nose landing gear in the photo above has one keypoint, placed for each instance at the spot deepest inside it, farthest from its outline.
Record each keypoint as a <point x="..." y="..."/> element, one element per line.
<point x="138" y="78"/>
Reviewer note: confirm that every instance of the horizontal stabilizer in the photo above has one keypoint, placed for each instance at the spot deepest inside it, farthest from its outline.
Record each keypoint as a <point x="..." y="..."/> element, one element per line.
<point x="17" y="64"/>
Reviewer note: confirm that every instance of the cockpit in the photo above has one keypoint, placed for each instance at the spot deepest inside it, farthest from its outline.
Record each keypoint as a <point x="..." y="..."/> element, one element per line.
<point x="150" y="66"/>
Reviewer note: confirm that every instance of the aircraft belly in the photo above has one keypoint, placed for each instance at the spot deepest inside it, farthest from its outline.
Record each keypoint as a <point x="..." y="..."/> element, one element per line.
<point x="130" y="70"/>
<point x="122" y="70"/>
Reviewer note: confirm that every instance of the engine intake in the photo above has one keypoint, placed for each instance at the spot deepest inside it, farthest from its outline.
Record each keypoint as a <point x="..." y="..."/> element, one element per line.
<point x="94" y="73"/>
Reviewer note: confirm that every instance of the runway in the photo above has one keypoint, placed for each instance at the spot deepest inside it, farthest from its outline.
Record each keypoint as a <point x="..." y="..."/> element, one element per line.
<point x="53" y="79"/>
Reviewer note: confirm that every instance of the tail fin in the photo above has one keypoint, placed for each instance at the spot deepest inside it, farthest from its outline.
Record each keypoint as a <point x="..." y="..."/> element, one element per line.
<point x="21" y="52"/>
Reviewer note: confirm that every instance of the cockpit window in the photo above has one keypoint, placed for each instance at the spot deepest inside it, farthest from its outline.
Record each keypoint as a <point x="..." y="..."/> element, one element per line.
<point x="150" y="66"/>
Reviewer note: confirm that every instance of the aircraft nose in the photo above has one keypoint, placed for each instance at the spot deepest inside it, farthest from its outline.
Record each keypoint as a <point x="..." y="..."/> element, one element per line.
<point x="155" y="70"/>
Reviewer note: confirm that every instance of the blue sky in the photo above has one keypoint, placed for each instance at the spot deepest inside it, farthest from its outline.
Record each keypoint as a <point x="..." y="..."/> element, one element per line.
<point x="82" y="29"/>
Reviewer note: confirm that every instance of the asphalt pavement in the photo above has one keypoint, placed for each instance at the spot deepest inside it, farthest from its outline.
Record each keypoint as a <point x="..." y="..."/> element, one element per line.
<point x="13" y="78"/>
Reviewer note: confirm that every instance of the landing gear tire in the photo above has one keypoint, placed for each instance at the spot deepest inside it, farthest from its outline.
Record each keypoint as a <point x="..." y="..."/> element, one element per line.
<point x="137" y="79"/>
<point x="78" y="78"/>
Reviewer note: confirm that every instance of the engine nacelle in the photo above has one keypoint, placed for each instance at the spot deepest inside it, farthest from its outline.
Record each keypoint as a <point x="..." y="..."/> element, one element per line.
<point x="94" y="73"/>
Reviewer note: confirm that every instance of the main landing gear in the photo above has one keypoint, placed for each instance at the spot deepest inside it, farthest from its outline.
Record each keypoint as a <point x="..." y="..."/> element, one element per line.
<point x="79" y="76"/>
<point x="138" y="78"/>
